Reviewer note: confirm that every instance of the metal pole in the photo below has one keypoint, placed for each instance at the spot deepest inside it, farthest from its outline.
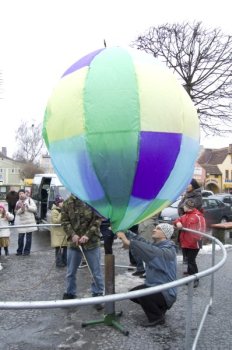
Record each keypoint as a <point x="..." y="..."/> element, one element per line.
<point x="109" y="282"/>
<point x="189" y="316"/>
<point x="212" y="276"/>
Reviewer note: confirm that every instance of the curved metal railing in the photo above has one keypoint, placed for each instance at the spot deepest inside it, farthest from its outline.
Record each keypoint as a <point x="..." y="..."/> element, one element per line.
<point x="135" y="294"/>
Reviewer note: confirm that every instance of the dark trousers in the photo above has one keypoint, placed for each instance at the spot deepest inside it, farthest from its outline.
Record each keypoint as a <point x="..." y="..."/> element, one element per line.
<point x="27" y="249"/>
<point x="191" y="255"/>
<point x="61" y="256"/>
<point x="108" y="238"/>
<point x="154" y="305"/>
<point x="6" y="251"/>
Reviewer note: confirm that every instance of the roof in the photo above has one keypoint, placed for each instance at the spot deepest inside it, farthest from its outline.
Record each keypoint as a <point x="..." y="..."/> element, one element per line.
<point x="2" y="155"/>
<point x="211" y="169"/>
<point x="213" y="156"/>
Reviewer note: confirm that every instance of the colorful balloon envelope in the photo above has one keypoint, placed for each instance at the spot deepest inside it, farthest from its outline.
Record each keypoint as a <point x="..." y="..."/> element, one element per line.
<point x="122" y="133"/>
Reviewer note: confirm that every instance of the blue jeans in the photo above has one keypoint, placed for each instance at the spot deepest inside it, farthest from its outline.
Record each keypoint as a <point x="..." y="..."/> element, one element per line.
<point x="27" y="247"/>
<point x="93" y="257"/>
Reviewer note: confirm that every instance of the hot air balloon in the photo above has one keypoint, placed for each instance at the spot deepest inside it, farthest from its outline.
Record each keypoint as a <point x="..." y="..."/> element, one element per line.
<point x="122" y="133"/>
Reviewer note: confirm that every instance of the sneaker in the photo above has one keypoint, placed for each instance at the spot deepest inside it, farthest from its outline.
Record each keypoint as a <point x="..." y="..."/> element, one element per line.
<point x="18" y="254"/>
<point x="154" y="323"/>
<point x="60" y="264"/>
<point x="143" y="276"/>
<point x="195" y="283"/>
<point x="131" y="267"/>
<point x="68" y="296"/>
<point x="99" y="306"/>
<point x="138" y="273"/>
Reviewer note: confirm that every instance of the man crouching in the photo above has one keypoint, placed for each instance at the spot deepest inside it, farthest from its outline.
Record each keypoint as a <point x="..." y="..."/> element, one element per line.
<point x="160" y="260"/>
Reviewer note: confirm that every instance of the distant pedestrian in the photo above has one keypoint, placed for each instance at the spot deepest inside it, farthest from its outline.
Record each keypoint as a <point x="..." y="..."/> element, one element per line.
<point x="58" y="236"/>
<point x="82" y="227"/>
<point x="12" y="197"/>
<point x="191" y="242"/>
<point x="193" y="192"/>
<point x="25" y="215"/>
<point x="5" y="217"/>
<point x="160" y="260"/>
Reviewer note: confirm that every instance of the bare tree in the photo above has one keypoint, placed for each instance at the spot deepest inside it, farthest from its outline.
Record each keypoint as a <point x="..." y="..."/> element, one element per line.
<point x="29" y="141"/>
<point x="203" y="61"/>
<point x="29" y="170"/>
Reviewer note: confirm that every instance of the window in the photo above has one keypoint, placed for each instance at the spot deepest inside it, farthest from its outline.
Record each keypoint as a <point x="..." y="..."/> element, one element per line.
<point x="227" y="174"/>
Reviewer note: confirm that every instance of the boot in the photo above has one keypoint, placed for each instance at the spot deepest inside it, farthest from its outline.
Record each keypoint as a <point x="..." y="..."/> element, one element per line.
<point x="6" y="251"/>
<point x="59" y="262"/>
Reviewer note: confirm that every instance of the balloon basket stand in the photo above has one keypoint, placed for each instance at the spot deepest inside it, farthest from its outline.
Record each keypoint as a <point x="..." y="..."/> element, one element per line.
<point x="108" y="320"/>
<point x="111" y="318"/>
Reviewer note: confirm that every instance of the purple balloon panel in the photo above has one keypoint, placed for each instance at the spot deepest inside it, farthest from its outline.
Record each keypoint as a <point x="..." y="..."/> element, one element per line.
<point x="84" y="61"/>
<point x="157" y="156"/>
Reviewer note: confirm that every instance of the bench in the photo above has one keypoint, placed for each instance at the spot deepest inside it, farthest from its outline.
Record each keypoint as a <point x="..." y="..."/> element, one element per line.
<point x="223" y="232"/>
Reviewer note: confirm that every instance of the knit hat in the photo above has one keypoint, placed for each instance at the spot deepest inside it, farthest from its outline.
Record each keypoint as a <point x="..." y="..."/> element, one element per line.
<point x="167" y="230"/>
<point x="195" y="184"/>
<point x="58" y="199"/>
<point x="189" y="204"/>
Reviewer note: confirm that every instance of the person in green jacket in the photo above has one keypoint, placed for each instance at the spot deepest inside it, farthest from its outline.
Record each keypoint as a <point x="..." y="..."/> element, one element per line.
<point x="82" y="227"/>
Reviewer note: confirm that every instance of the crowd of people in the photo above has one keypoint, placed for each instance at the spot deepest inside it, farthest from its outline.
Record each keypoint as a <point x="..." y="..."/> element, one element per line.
<point x="77" y="232"/>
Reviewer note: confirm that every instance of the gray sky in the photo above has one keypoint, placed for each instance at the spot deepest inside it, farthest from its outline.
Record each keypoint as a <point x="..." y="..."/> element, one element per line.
<point x="40" y="39"/>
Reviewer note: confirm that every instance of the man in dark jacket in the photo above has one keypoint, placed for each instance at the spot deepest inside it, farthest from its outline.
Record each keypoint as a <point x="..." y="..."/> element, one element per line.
<point x="81" y="225"/>
<point x="160" y="260"/>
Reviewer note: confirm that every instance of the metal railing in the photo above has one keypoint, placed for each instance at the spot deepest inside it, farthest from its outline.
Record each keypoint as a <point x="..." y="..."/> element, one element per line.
<point x="135" y="294"/>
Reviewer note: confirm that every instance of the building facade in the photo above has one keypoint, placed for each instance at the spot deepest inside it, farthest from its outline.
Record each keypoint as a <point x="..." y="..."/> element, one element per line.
<point x="216" y="167"/>
<point x="9" y="174"/>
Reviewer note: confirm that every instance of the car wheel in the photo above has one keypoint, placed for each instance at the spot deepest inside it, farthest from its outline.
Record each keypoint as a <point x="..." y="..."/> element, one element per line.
<point x="223" y="220"/>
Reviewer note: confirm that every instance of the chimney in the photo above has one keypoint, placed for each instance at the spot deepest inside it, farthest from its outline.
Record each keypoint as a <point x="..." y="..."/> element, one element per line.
<point x="230" y="149"/>
<point x="4" y="151"/>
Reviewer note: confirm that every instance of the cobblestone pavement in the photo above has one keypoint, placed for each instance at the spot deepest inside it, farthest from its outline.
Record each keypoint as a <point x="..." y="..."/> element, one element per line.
<point x="36" y="278"/>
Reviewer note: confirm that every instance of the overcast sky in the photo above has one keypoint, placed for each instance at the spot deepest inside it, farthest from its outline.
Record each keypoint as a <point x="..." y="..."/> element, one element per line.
<point x="40" y="39"/>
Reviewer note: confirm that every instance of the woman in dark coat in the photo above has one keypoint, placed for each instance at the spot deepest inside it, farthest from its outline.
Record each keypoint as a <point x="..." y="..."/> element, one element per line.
<point x="193" y="192"/>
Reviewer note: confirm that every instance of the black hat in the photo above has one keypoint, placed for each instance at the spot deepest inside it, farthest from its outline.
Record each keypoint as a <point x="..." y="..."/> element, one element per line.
<point x="195" y="184"/>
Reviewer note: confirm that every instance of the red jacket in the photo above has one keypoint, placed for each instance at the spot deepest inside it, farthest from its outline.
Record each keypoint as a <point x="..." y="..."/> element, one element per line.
<point x="193" y="220"/>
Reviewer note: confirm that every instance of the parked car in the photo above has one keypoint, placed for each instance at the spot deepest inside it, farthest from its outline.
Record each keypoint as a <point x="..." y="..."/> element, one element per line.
<point x="226" y="198"/>
<point x="206" y="193"/>
<point x="215" y="211"/>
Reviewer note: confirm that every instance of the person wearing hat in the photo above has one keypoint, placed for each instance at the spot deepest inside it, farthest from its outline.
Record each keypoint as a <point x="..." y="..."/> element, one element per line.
<point x="193" y="192"/>
<point x="160" y="265"/>
<point x="190" y="243"/>
<point x="58" y="236"/>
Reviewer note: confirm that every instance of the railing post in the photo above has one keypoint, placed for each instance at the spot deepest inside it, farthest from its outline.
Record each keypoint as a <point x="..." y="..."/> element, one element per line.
<point x="212" y="276"/>
<point x="189" y="307"/>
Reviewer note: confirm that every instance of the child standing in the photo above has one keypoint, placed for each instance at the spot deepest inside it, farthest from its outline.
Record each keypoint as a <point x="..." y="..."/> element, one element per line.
<point x="5" y="217"/>
<point x="58" y="236"/>
<point x="191" y="243"/>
